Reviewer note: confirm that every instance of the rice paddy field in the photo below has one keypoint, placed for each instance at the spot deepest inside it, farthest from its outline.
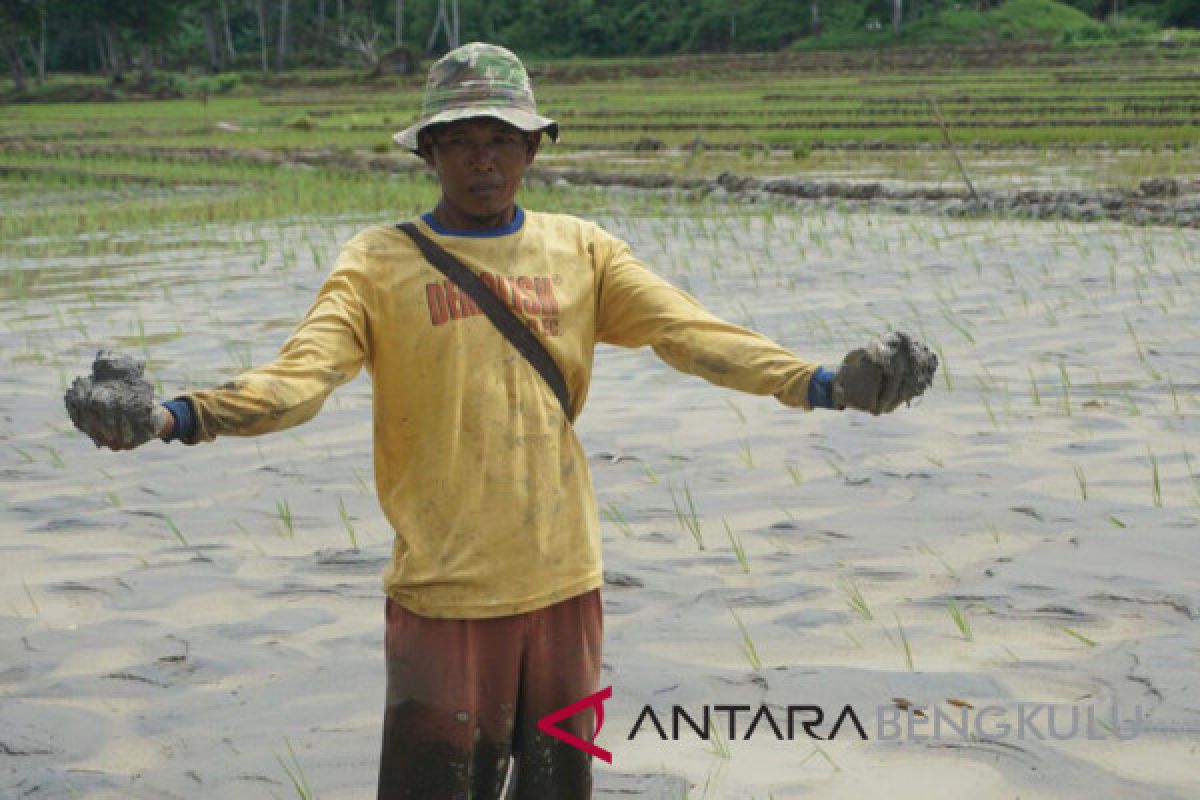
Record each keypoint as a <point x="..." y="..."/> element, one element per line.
<point x="207" y="622"/>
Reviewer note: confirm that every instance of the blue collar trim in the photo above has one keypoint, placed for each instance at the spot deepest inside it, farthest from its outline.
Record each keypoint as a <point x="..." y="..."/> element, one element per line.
<point x="486" y="233"/>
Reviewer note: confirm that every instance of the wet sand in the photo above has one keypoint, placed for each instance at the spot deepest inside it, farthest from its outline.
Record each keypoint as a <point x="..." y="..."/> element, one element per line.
<point x="164" y="633"/>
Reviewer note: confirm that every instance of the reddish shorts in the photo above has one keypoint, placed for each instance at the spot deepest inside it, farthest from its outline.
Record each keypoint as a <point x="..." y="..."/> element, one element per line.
<point x="463" y="695"/>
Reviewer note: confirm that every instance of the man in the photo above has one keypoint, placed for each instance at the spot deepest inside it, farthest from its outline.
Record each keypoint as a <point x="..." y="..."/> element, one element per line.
<point x="494" y="615"/>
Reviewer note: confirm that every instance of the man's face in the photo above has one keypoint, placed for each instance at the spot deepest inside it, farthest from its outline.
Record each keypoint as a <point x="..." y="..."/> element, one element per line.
<point x="480" y="163"/>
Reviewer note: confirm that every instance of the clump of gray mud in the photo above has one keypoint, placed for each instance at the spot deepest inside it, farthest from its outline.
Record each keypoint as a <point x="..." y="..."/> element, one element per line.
<point x="115" y="403"/>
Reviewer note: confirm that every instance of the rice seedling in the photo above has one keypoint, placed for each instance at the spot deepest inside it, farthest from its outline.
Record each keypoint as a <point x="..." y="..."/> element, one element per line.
<point x="717" y="742"/>
<point x="1037" y="398"/>
<point x="651" y="475"/>
<point x="614" y="515"/>
<point x="37" y="612"/>
<point x="817" y="749"/>
<point x="746" y="454"/>
<point x="295" y="773"/>
<point x="748" y="644"/>
<point x="55" y="456"/>
<point x="175" y="529"/>
<point x="1078" y="635"/>
<point x="794" y="473"/>
<point x="908" y="656"/>
<point x="855" y="598"/>
<point x="688" y="520"/>
<point x="1155" y="485"/>
<point x="1081" y="479"/>
<point x="737" y="410"/>
<point x="347" y="524"/>
<point x="738" y="549"/>
<point x="932" y="459"/>
<point x="923" y="547"/>
<point x="1117" y="521"/>
<point x="960" y="619"/>
<point x="284" y="512"/>
<point x="363" y="486"/>
<point x="1066" y="388"/>
<point x="944" y="367"/>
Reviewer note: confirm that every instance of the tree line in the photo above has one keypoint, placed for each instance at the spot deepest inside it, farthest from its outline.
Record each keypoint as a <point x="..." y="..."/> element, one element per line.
<point x="111" y="37"/>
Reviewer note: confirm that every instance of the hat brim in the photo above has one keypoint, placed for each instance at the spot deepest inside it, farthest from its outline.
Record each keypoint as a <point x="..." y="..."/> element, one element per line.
<point x="524" y="120"/>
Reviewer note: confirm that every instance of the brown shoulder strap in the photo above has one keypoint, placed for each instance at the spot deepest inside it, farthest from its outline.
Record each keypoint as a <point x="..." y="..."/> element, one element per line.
<point x="501" y="315"/>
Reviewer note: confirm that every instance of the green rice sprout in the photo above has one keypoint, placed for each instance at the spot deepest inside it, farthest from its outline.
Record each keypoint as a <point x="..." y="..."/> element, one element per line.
<point x="748" y="644"/>
<point x="738" y="549"/>
<point x="1066" y="388"/>
<point x="346" y="522"/>
<point x="944" y="367"/>
<point x="651" y="475"/>
<point x="923" y="547"/>
<point x="284" y="512"/>
<point x="1116" y="521"/>
<point x="295" y="773"/>
<point x="908" y="656"/>
<point x="794" y="473"/>
<point x="37" y="612"/>
<point x="1078" y="635"/>
<point x="737" y="410"/>
<point x="854" y="597"/>
<point x="960" y="619"/>
<point x="688" y="520"/>
<point x="614" y="515"/>
<point x="1155" y="486"/>
<point x="818" y="749"/>
<point x="175" y="529"/>
<point x="719" y="746"/>
<point x="746" y="454"/>
<point x="1037" y="397"/>
<point x="1081" y="479"/>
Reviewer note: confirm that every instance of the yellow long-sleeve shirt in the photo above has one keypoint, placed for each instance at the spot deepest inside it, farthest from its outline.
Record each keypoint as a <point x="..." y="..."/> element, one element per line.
<point x="478" y="471"/>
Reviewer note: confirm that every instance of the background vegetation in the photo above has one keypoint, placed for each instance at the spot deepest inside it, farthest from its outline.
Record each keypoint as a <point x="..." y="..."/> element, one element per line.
<point x="113" y="37"/>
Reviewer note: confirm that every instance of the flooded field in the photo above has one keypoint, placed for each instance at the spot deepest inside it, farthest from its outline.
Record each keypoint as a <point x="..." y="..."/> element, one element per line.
<point x="202" y="621"/>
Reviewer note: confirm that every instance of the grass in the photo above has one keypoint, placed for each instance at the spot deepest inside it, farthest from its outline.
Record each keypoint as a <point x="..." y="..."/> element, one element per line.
<point x="961" y="621"/>
<point x="1155" y="484"/>
<point x="748" y="647"/>
<point x="349" y="526"/>
<point x="614" y="515"/>
<point x="738" y="549"/>
<point x="1081" y="480"/>
<point x="908" y="655"/>
<point x="175" y="529"/>
<point x="688" y="519"/>
<point x="295" y="773"/>
<point x="284" y="511"/>
<point x="854" y="597"/>
<point x="1076" y="634"/>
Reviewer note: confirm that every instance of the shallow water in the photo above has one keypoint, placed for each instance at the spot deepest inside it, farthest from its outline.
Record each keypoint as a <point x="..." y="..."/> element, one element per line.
<point x="163" y="633"/>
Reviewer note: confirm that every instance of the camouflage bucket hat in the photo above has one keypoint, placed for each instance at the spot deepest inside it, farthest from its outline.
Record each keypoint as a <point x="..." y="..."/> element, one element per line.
<point x="478" y="80"/>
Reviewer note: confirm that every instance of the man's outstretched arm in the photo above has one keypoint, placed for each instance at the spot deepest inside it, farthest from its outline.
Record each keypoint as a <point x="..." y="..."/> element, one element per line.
<point x="635" y="307"/>
<point x="327" y="349"/>
<point x="115" y="406"/>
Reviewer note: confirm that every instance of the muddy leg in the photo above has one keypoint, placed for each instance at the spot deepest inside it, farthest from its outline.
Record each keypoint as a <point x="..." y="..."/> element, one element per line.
<point x="450" y="707"/>
<point x="562" y="666"/>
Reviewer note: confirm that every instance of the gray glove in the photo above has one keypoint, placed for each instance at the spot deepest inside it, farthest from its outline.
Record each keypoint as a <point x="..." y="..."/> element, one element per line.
<point x="115" y="404"/>
<point x="887" y="372"/>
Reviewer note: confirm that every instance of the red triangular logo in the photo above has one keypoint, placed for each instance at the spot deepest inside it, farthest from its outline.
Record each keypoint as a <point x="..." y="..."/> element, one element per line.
<point x="547" y="724"/>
